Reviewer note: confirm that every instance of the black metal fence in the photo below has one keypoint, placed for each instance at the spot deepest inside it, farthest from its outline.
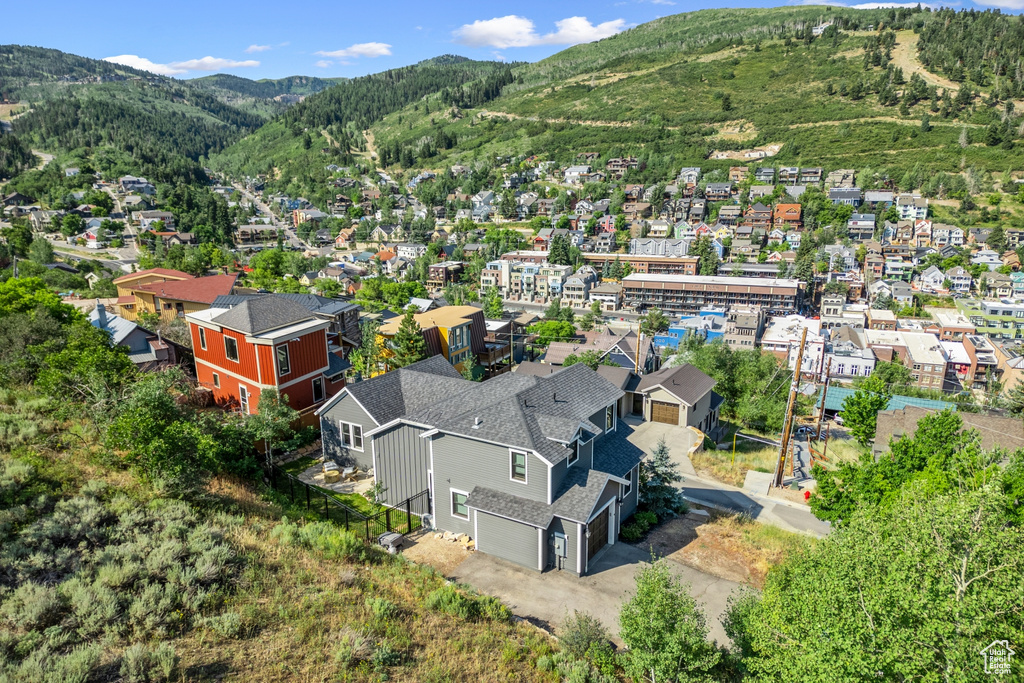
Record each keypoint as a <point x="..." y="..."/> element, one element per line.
<point x="403" y="518"/>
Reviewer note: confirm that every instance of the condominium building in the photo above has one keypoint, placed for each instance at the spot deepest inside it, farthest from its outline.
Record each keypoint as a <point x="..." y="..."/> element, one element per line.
<point x="677" y="294"/>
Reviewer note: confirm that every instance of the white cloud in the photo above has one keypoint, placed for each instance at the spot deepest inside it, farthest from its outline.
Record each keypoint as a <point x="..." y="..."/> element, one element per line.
<point x="1005" y="4"/>
<point x="323" y="63"/>
<point x="137" y="62"/>
<point x="178" y="68"/>
<point x="662" y="2"/>
<point x="516" y="31"/>
<point x="257" y="48"/>
<point x="359" y="50"/>
<point x="213" y="64"/>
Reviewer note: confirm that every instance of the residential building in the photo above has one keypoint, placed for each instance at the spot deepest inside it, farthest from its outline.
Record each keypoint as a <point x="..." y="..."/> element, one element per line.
<point x="531" y="468"/>
<point x="678" y="294"/>
<point x="576" y="288"/>
<point x="861" y="226"/>
<point x="730" y="214"/>
<point x="995" y="431"/>
<point x="881" y="319"/>
<point x="147" y="350"/>
<point x="265" y="342"/>
<point x="835" y="313"/>
<point x="765" y="174"/>
<point x="988" y="258"/>
<point x="457" y="333"/>
<point x="787" y="216"/>
<point x="911" y="207"/>
<point x="782" y="339"/>
<point x="758" y="216"/>
<point x="625" y="350"/>
<point x="681" y="395"/>
<point x="651" y="246"/>
<point x="850" y="196"/>
<point x="682" y="265"/>
<point x="608" y="294"/>
<point x="847" y="355"/>
<point x="443" y="273"/>
<point x="744" y="326"/>
<point x="168" y="293"/>
<point x="718" y="192"/>
<point x="985" y="370"/>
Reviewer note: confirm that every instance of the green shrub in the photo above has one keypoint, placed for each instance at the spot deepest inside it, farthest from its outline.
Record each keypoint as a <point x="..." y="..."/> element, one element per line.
<point x="646" y="517"/>
<point x="352" y="649"/>
<point x="326" y="539"/>
<point x="579" y="632"/>
<point x="493" y="609"/>
<point x="382" y="608"/>
<point x="631" y="533"/>
<point x="228" y="624"/>
<point x="137" y="665"/>
<point x="33" y="606"/>
<point x="450" y="600"/>
<point x="384" y="656"/>
<point x="544" y="663"/>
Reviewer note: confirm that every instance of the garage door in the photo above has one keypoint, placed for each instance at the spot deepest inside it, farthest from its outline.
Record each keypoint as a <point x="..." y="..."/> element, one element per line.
<point x="665" y="412"/>
<point x="598" y="534"/>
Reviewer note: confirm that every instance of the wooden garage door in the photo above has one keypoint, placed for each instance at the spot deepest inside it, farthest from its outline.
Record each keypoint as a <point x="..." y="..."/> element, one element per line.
<point x="598" y="534"/>
<point x="664" y="412"/>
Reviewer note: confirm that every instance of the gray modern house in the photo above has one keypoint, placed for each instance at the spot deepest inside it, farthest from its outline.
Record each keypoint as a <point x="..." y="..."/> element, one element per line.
<point x="533" y="469"/>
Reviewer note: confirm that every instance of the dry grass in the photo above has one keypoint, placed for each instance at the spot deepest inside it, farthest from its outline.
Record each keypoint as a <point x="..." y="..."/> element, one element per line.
<point x="721" y="466"/>
<point x="732" y="547"/>
<point x="840" y="450"/>
<point x="295" y="608"/>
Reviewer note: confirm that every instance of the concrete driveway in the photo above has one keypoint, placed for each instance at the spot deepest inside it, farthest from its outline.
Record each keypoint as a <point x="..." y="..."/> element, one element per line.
<point x="546" y="598"/>
<point x="646" y="435"/>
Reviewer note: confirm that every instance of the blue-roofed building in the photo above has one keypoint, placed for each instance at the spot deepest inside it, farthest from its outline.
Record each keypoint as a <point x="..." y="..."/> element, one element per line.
<point x="709" y="324"/>
<point x="836" y="396"/>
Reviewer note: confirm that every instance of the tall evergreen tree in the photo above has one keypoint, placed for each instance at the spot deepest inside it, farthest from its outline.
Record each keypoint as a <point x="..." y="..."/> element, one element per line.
<point x="408" y="344"/>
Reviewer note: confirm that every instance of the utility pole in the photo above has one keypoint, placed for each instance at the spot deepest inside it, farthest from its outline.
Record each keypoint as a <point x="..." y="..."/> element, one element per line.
<point x="824" y="396"/>
<point x="787" y="424"/>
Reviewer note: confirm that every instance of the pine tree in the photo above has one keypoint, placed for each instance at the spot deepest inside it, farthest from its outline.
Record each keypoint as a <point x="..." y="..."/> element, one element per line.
<point x="408" y="343"/>
<point x="657" y="476"/>
<point x="493" y="307"/>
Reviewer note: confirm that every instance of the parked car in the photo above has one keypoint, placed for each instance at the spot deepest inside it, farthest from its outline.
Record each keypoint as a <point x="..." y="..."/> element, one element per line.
<point x="839" y="420"/>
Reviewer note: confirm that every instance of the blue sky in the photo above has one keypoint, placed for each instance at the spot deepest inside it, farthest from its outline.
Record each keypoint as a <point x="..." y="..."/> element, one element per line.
<point x="263" y="39"/>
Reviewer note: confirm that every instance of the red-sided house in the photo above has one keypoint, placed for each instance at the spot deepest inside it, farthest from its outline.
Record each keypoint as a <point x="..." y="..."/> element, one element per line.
<point x="265" y="342"/>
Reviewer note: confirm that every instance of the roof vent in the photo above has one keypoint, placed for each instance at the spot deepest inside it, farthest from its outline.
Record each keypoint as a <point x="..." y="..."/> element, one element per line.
<point x="476" y="423"/>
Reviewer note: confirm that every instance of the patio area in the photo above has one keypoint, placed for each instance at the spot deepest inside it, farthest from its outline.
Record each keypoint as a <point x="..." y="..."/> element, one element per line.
<point x="357" y="483"/>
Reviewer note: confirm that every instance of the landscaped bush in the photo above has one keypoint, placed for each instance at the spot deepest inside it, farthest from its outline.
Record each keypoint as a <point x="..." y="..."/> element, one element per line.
<point x="580" y="631"/>
<point x="646" y="518"/>
<point x="633" y="532"/>
<point x="382" y="608"/>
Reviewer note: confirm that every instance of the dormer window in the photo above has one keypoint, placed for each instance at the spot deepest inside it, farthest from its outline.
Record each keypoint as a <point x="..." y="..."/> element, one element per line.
<point x="574" y="452"/>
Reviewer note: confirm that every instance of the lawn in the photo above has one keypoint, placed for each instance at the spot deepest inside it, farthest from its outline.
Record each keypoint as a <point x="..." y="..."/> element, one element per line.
<point x="356" y="501"/>
<point x="725" y="467"/>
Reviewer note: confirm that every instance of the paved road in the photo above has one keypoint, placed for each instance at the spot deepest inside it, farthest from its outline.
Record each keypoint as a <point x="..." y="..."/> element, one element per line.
<point x="549" y="597"/>
<point x="753" y="502"/>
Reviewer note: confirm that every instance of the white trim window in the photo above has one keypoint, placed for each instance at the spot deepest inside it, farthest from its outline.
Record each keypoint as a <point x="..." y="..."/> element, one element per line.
<point x="318" y="389"/>
<point x="243" y="398"/>
<point x="231" y="348"/>
<point x="517" y="465"/>
<point x="351" y="435"/>
<point x="202" y="338"/>
<point x="216" y="380"/>
<point x="459" y="508"/>
<point x="574" y="452"/>
<point x="627" y="488"/>
<point x="284" y="361"/>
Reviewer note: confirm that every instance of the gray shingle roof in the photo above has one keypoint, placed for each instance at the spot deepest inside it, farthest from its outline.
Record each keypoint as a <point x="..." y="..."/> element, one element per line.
<point x="312" y="302"/>
<point x="262" y="313"/>
<point x="512" y="409"/>
<point x="685" y="382"/>
<point x="407" y="390"/>
<point x="615" y="454"/>
<point x="523" y="510"/>
<point x="575" y="501"/>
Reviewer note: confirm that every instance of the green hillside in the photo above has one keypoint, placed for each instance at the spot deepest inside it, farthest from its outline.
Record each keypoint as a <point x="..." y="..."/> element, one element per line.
<point x="266" y="88"/>
<point x="142" y="122"/>
<point x="328" y="127"/>
<point x="685" y="86"/>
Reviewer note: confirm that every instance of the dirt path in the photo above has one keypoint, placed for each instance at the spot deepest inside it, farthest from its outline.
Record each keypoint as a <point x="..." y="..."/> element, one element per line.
<point x="44" y="158"/>
<point x="904" y="55"/>
<point x="371" y="150"/>
<point x="885" y="119"/>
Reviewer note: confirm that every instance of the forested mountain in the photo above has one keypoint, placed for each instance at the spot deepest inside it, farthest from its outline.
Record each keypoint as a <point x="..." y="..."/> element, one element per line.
<point x="981" y="48"/>
<point x="15" y="156"/>
<point x="327" y="128"/>
<point x="265" y="88"/>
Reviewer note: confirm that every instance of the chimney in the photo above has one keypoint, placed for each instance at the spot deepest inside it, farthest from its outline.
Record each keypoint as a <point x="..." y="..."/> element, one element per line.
<point x="101" y="314"/>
